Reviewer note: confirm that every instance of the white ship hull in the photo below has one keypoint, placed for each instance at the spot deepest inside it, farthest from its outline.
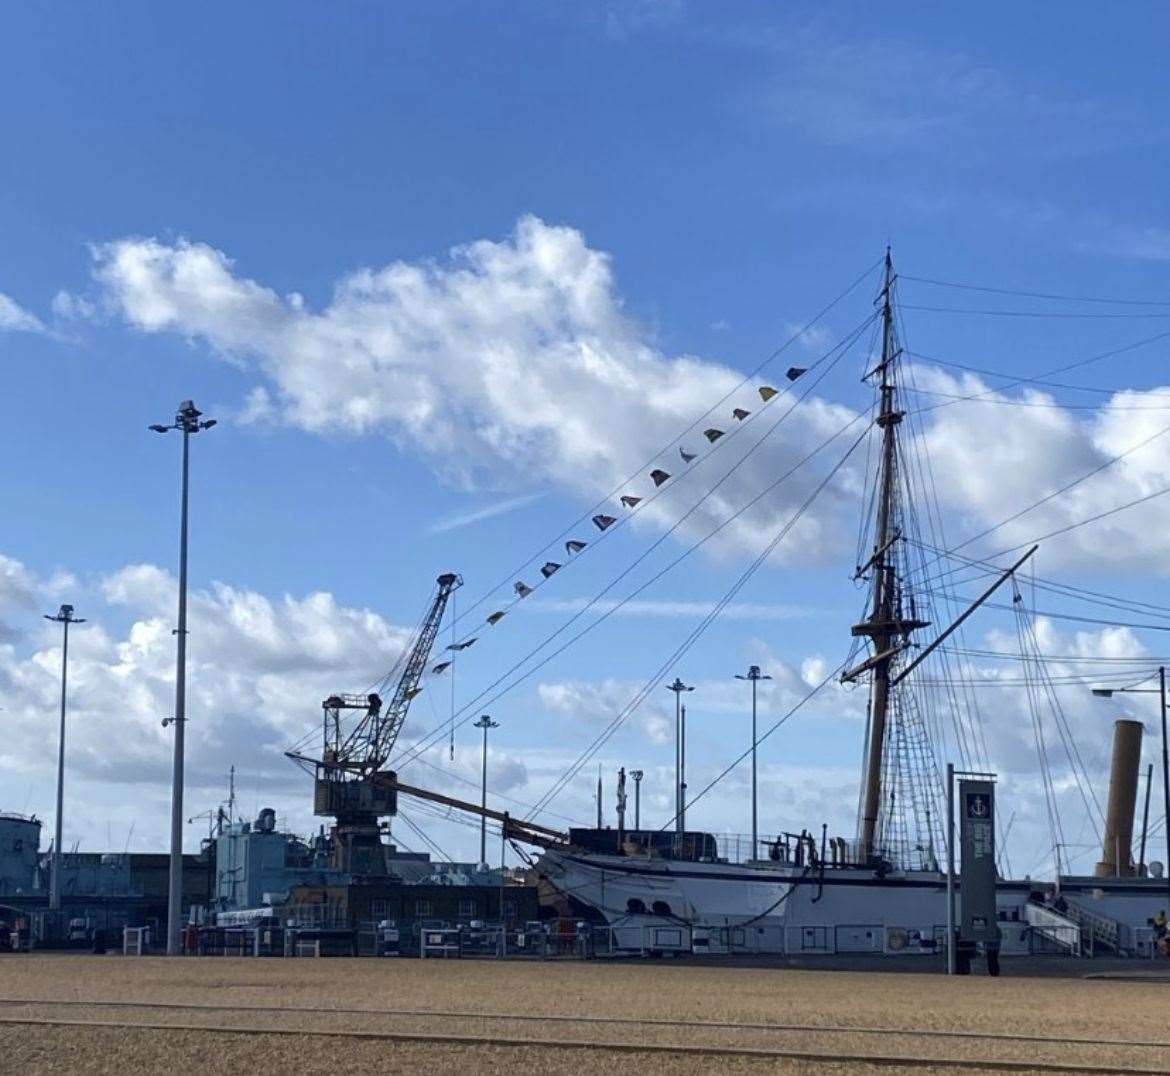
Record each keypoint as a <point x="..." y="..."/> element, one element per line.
<point x="653" y="904"/>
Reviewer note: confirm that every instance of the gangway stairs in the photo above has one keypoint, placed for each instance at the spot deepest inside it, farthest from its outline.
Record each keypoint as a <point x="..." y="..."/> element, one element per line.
<point x="1064" y="932"/>
<point x="1097" y="929"/>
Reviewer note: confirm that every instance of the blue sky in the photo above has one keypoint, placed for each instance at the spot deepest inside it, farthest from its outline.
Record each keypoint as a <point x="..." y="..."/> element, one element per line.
<point x="726" y="170"/>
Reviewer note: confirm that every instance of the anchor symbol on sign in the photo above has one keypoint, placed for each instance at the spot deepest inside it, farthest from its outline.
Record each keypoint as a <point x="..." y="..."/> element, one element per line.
<point x="978" y="807"/>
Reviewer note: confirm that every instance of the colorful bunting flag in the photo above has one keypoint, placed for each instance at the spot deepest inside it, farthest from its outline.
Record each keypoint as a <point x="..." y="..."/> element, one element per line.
<point x="574" y="546"/>
<point x="766" y="392"/>
<point x="412" y="691"/>
<point x="549" y="568"/>
<point x="712" y="434"/>
<point x="463" y="645"/>
<point x="601" y="522"/>
<point x="795" y="371"/>
<point x="496" y="617"/>
<point x="659" y="477"/>
<point x="740" y="413"/>
<point x="686" y="456"/>
<point x="631" y="502"/>
<point x="441" y="667"/>
<point x="523" y="589"/>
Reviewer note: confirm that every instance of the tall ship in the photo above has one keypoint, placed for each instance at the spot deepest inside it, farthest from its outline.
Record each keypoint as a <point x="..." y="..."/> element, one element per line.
<point x="882" y="889"/>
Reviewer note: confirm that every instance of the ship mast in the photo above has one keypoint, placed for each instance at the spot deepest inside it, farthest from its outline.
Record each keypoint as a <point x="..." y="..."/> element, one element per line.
<point x="885" y="626"/>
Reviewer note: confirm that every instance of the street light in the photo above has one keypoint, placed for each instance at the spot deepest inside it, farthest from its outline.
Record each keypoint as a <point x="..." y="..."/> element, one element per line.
<point x="680" y="754"/>
<point x="1160" y="690"/>
<point x="64" y="617"/>
<point x="484" y="723"/>
<point x="187" y="421"/>
<point x="755" y="676"/>
<point x="637" y="775"/>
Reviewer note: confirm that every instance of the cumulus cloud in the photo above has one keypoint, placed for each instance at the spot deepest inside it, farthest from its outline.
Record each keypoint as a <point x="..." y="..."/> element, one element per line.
<point x="1036" y="449"/>
<point x="594" y="704"/>
<point x="515" y="360"/>
<point x="17" y="591"/>
<point x="509" y="362"/>
<point x="258" y="668"/>
<point x="14" y="318"/>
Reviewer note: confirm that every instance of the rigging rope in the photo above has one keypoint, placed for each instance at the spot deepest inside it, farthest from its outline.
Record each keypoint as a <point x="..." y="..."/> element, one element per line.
<point x="464" y="711"/>
<point x="695" y="634"/>
<point x="584" y="517"/>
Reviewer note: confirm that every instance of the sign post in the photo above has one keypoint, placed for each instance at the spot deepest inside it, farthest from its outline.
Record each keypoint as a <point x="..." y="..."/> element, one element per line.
<point x="979" y="922"/>
<point x="979" y="918"/>
<point x="950" y="868"/>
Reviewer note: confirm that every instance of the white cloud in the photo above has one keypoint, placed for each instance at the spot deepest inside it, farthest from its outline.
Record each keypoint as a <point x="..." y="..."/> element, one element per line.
<point x="515" y="362"/>
<point x="596" y="703"/>
<point x="17" y="594"/>
<point x="70" y="307"/>
<point x="14" y="318"/>
<point x="510" y="363"/>
<point x="984" y="477"/>
<point x="258" y="668"/>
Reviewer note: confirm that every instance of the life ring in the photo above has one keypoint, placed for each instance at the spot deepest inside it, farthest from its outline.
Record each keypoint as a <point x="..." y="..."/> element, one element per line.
<point x="896" y="939"/>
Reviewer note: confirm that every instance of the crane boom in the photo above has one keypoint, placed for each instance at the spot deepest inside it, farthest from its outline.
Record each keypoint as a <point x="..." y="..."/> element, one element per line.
<point x="366" y="749"/>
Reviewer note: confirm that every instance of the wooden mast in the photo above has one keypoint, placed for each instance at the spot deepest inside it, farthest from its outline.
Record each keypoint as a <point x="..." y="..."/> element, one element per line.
<point x="884" y="626"/>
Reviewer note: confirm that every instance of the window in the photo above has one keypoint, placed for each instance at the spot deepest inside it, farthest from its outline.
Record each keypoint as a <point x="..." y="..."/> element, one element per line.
<point x="378" y="909"/>
<point x="467" y="909"/>
<point x="422" y="908"/>
<point x="509" y="909"/>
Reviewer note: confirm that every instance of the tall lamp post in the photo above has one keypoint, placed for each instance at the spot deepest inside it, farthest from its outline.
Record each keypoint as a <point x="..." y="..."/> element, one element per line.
<point x="755" y="676"/>
<point x="637" y="775"/>
<point x="484" y="723"/>
<point x="64" y="617"/>
<point x="678" y="687"/>
<point x="187" y="421"/>
<point x="1160" y="691"/>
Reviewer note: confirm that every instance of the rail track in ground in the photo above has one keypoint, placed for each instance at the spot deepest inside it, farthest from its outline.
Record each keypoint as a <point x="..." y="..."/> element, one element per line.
<point x="1114" y="1055"/>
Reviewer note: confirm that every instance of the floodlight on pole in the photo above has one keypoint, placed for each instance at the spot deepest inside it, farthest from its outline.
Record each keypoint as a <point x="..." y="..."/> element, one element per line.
<point x="484" y="723"/>
<point x="64" y="617"/>
<point x="678" y="687"/>
<point x="187" y="421"/>
<point x="755" y="676"/>
<point x="637" y="775"/>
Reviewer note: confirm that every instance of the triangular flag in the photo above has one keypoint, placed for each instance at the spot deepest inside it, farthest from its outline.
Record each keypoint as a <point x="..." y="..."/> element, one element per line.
<point x="574" y="546"/>
<point x="442" y="666"/>
<point x="523" y="589"/>
<point x="412" y="691"/>
<point x="549" y="567"/>
<point x="795" y="371"/>
<point x="601" y="522"/>
<point x="712" y="434"/>
<point x="630" y="502"/>
<point x="496" y="617"/>
<point x="766" y="392"/>
<point x="463" y="645"/>
<point x="740" y="413"/>
<point x="686" y="456"/>
<point x="659" y="477"/>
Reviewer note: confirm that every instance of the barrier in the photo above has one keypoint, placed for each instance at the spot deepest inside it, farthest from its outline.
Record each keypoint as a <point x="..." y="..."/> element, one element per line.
<point x="444" y="942"/>
<point x="135" y="941"/>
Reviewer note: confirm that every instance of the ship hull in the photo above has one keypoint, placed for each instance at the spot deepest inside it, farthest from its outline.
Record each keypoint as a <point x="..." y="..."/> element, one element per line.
<point x="765" y="907"/>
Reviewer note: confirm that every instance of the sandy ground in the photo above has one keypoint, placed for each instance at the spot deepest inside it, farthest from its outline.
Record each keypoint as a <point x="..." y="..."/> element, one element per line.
<point x="1058" y="1008"/>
